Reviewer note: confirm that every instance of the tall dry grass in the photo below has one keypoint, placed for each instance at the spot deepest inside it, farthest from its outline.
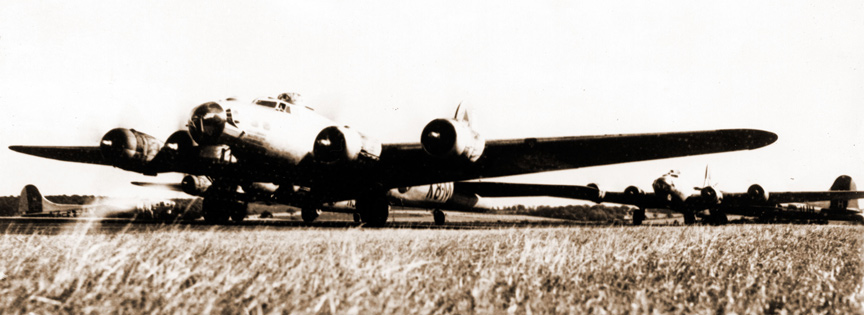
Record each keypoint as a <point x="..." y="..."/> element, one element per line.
<point x="740" y="269"/>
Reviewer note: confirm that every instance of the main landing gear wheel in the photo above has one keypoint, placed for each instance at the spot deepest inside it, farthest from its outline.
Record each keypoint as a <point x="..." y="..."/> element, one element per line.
<point x="218" y="211"/>
<point x="439" y="217"/>
<point x="638" y="216"/>
<point x="719" y="217"/>
<point x="309" y="214"/>
<point x="356" y="217"/>
<point x="239" y="210"/>
<point x="373" y="211"/>
<point x="214" y="211"/>
<point x="689" y="217"/>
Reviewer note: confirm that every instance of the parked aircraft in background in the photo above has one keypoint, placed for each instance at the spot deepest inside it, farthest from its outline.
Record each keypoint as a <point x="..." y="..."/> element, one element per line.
<point x="276" y="147"/>
<point x="31" y="203"/>
<point x="668" y="194"/>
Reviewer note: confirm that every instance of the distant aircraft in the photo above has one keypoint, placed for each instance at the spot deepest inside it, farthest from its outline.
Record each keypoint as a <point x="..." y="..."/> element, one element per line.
<point x="245" y="150"/>
<point x="756" y="202"/>
<point x="31" y="203"/>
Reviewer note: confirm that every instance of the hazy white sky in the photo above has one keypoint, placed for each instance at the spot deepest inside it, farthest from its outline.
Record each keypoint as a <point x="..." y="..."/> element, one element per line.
<point x="70" y="71"/>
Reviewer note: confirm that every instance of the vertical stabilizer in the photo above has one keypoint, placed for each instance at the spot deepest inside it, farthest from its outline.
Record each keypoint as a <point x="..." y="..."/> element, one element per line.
<point x="461" y="113"/>
<point x="844" y="182"/>
<point x="30" y="201"/>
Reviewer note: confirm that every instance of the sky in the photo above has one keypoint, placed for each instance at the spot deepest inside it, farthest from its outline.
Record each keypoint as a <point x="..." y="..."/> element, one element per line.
<point x="71" y="71"/>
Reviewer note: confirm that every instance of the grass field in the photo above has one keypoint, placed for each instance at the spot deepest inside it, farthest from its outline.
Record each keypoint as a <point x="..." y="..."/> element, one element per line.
<point x="740" y="269"/>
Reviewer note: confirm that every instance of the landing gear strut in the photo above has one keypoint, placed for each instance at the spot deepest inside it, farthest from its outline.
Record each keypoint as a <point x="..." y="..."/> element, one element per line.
<point x="638" y="216"/>
<point x="373" y="210"/>
<point x="439" y="216"/>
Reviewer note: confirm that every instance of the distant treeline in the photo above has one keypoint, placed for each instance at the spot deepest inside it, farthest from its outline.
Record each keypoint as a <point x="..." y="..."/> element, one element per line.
<point x="572" y="212"/>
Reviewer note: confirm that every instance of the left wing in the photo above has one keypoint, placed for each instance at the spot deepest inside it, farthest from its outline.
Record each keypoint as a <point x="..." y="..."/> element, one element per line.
<point x="792" y="196"/>
<point x="409" y="165"/>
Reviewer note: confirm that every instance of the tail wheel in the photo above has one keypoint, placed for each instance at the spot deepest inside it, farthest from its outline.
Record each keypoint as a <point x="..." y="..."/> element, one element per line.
<point x="309" y="214"/>
<point x="638" y="216"/>
<point x="689" y="217"/>
<point x="373" y="210"/>
<point x="439" y="216"/>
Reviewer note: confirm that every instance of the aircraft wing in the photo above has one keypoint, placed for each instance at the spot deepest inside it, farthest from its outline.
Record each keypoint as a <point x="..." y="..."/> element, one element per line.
<point x="90" y="155"/>
<point x="169" y="186"/>
<point x="495" y="189"/>
<point x="793" y="196"/>
<point x="409" y="165"/>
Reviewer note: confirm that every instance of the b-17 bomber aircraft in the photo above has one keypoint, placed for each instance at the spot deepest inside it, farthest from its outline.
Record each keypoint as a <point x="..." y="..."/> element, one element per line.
<point x="668" y="194"/>
<point x="272" y="146"/>
<point x="31" y="203"/>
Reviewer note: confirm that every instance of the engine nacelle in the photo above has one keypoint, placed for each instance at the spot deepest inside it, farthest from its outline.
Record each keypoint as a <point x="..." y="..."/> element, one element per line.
<point x="336" y="144"/>
<point x="195" y="185"/>
<point x="448" y="138"/>
<point x="130" y="150"/>
<point x="757" y="193"/>
<point x="711" y="196"/>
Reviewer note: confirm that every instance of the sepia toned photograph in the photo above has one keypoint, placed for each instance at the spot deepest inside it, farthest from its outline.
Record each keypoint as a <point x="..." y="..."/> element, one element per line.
<point x="431" y="157"/>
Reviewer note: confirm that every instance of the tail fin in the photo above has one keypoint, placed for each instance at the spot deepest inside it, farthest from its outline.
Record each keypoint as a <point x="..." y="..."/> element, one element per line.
<point x="844" y="182"/>
<point x="707" y="180"/>
<point x="30" y="201"/>
<point x="461" y="113"/>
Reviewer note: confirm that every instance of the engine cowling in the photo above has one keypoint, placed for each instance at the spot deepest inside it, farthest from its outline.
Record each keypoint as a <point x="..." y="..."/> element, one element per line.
<point x="711" y="196"/>
<point x="453" y="139"/>
<point x="195" y="185"/>
<point x="130" y="150"/>
<point x="633" y="191"/>
<point x="757" y="193"/>
<point x="335" y="145"/>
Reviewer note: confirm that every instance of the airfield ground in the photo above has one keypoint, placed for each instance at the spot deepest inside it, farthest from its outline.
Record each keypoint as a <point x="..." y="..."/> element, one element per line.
<point x="525" y="269"/>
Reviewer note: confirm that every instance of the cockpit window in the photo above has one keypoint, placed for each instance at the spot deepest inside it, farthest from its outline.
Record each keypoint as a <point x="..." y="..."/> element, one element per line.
<point x="277" y="105"/>
<point x="270" y="104"/>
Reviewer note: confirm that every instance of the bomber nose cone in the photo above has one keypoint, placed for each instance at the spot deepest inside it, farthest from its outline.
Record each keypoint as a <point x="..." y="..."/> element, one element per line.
<point x="207" y="123"/>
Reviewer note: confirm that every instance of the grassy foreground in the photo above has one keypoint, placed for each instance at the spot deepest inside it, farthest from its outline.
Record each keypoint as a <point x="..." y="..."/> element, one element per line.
<point x="741" y="269"/>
